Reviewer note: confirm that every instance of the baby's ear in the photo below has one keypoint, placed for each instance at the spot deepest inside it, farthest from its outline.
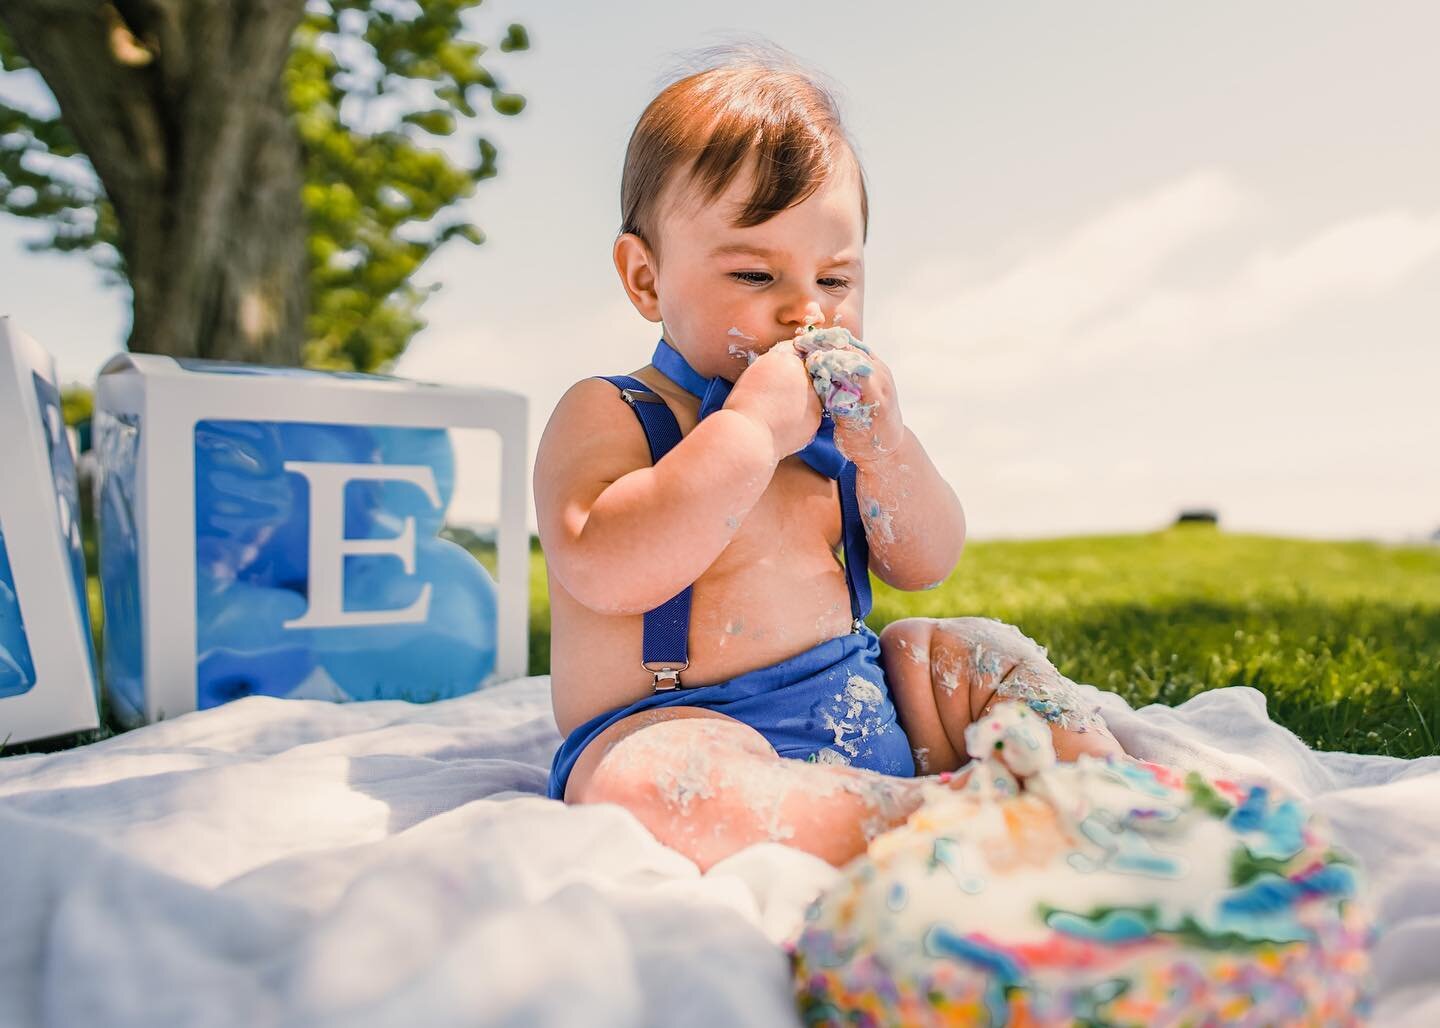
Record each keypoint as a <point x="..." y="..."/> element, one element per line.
<point x="636" y="265"/>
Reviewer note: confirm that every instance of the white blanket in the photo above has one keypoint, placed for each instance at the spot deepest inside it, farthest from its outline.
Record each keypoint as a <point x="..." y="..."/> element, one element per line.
<point x="297" y="862"/>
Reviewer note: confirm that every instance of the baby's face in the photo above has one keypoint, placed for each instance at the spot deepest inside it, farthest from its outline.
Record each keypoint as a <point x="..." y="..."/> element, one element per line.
<point x="725" y="290"/>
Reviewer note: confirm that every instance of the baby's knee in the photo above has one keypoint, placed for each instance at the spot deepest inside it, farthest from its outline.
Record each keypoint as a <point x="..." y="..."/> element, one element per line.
<point x="671" y="764"/>
<point x="996" y="645"/>
<point x="907" y="641"/>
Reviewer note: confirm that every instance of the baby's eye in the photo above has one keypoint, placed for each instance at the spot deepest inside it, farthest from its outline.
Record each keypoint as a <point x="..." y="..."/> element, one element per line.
<point x="760" y="277"/>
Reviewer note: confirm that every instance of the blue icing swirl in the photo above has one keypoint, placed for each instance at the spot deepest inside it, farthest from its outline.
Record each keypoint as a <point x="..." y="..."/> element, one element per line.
<point x="1279" y="827"/>
<point x="1125" y="850"/>
<point x="1115" y="926"/>
<point x="1002" y="970"/>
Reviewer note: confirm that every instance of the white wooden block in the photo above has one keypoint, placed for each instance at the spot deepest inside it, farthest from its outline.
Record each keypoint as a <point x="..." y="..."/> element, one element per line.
<point x="48" y="684"/>
<point x="273" y="531"/>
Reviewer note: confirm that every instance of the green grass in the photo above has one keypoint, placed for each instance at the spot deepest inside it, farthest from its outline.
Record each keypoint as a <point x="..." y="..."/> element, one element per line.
<point x="1342" y="638"/>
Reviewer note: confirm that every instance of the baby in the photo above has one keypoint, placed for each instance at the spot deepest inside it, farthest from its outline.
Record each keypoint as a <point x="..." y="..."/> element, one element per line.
<point x="711" y="666"/>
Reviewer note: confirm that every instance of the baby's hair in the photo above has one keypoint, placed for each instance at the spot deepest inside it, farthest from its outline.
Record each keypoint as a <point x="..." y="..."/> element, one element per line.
<point x="736" y="100"/>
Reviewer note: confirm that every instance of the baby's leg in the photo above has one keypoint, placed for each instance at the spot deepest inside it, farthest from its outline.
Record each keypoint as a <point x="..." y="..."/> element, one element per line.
<point x="944" y="673"/>
<point x="708" y="785"/>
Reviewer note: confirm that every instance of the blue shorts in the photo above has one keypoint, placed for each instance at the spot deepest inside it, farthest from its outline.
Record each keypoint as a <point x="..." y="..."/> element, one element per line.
<point x="829" y="704"/>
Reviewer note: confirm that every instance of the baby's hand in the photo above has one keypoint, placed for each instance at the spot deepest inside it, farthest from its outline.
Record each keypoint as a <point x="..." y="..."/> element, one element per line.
<point x="858" y="391"/>
<point x="773" y="391"/>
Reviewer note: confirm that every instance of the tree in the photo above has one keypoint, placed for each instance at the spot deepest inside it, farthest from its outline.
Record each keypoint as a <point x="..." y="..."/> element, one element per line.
<point x="255" y="170"/>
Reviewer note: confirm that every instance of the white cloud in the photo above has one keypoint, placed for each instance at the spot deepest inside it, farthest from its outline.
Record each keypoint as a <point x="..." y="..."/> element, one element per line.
<point x="1099" y="292"/>
<point x="1091" y="385"/>
<point x="1354" y="259"/>
<point x="1108" y="260"/>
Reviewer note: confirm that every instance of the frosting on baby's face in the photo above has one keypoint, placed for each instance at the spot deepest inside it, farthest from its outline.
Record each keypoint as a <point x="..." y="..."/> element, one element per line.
<point x="728" y="294"/>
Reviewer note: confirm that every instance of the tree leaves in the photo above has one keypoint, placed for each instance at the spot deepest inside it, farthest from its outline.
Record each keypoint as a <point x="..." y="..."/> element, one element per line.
<point x="516" y="38"/>
<point x="373" y="194"/>
<point x="507" y="103"/>
<point x="45" y="177"/>
<point x="376" y="87"/>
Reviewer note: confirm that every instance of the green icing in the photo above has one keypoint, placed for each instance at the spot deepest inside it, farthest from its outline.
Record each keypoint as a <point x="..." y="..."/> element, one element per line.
<point x="1205" y="797"/>
<point x="1187" y="931"/>
<point x="1245" y="867"/>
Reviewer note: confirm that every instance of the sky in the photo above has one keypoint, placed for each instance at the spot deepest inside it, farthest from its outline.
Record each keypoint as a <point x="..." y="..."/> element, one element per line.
<point x="1123" y="259"/>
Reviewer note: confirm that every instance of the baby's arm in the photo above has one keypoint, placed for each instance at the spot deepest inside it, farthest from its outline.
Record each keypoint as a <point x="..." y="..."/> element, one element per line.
<point x="913" y="520"/>
<point x="624" y="536"/>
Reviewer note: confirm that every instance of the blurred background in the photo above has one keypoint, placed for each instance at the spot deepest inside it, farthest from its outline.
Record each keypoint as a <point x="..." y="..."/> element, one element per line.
<point x="1122" y="262"/>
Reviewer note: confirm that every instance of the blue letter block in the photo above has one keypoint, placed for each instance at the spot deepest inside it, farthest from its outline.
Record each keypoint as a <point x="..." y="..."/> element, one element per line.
<point x="277" y="532"/>
<point x="48" y="684"/>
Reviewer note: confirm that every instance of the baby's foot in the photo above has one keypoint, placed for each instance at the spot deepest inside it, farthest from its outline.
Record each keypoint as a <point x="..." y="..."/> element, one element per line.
<point x="1013" y="737"/>
<point x="1010" y="747"/>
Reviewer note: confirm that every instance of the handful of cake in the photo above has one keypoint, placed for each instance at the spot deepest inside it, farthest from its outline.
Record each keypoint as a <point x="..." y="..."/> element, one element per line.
<point x="836" y="362"/>
<point x="1099" y="892"/>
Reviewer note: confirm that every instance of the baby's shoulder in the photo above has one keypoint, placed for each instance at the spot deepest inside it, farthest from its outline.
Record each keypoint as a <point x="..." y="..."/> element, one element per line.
<point x="589" y="406"/>
<point x="592" y="433"/>
<point x="596" y="404"/>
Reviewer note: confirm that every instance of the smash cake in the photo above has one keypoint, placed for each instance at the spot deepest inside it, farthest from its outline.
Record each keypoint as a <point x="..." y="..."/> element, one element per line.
<point x="1117" y="892"/>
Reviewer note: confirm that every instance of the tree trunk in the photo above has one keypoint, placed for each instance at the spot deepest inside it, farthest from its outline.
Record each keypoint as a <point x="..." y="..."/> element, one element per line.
<point x="180" y="107"/>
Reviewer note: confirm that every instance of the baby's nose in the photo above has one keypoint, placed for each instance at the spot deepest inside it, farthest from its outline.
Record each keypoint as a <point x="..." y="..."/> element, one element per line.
<point x="812" y="314"/>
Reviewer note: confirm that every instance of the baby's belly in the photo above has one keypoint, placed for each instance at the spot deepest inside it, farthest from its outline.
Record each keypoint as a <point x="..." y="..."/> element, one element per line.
<point x="756" y="615"/>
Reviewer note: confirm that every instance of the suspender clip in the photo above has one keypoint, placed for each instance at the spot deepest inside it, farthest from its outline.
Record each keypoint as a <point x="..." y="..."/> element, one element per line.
<point x="666" y="678"/>
<point x="630" y="396"/>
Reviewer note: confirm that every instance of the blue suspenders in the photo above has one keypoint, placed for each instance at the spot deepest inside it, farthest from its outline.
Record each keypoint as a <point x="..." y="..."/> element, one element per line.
<point x="667" y="627"/>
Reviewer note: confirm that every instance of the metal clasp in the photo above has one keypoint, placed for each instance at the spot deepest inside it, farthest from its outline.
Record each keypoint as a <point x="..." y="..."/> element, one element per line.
<point x="630" y="396"/>
<point x="857" y="624"/>
<point x="670" y="675"/>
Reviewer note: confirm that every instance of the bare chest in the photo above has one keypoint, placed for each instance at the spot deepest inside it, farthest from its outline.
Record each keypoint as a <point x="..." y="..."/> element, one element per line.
<point x="776" y="590"/>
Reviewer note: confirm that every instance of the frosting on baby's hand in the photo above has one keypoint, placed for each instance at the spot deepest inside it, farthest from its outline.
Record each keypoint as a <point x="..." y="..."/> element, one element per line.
<point x="836" y="361"/>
